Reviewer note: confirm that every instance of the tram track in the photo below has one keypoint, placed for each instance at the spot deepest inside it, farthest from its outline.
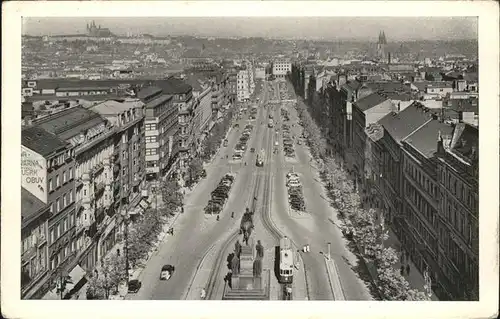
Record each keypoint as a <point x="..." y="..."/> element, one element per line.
<point x="220" y="257"/>
<point x="267" y="198"/>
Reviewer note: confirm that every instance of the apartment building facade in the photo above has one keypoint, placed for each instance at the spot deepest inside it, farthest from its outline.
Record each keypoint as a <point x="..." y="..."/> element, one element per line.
<point x="202" y="107"/>
<point x="127" y="118"/>
<point x="420" y="237"/>
<point x="365" y="111"/>
<point x="160" y="130"/>
<point x="92" y="138"/>
<point x="243" y="85"/>
<point x="281" y="67"/>
<point x="48" y="179"/>
<point x="458" y="227"/>
<point x="35" y="216"/>
<point x="182" y="99"/>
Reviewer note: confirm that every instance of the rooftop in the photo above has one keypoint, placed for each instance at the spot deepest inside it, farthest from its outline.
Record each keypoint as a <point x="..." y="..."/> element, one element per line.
<point x="55" y="83"/>
<point x="70" y="122"/>
<point x="148" y="91"/>
<point x="465" y="141"/>
<point x="39" y="140"/>
<point x="30" y="206"/>
<point x="159" y="100"/>
<point x="388" y="86"/>
<point x="196" y="80"/>
<point x="173" y="85"/>
<point x="425" y="138"/>
<point x="111" y="107"/>
<point x="399" y="125"/>
<point x="370" y="101"/>
<point x="462" y="105"/>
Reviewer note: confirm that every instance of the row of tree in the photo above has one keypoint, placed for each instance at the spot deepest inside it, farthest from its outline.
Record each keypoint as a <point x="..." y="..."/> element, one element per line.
<point x="142" y="235"/>
<point x="212" y="142"/>
<point x="363" y="226"/>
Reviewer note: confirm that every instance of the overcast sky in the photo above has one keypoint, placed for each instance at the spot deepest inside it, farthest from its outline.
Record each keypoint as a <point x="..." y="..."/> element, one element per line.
<point x="328" y="28"/>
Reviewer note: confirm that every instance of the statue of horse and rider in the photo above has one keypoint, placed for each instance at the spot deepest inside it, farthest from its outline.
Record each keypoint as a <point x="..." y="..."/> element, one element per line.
<point x="246" y="225"/>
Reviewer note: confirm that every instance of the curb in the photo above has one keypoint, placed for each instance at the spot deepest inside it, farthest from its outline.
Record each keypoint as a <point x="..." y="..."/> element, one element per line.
<point x="188" y="291"/>
<point x="338" y="294"/>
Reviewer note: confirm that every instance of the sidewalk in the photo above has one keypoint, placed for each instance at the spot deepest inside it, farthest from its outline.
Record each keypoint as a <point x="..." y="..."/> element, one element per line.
<point x="415" y="278"/>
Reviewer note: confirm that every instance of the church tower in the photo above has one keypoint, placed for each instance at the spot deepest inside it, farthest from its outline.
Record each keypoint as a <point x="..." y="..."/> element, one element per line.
<point x="382" y="42"/>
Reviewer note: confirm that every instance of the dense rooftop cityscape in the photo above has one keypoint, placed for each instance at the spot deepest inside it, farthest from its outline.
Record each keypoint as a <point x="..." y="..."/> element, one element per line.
<point x="137" y="144"/>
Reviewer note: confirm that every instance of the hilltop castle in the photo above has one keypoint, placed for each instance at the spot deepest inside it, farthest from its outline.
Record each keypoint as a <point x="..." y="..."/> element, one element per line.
<point x="94" y="31"/>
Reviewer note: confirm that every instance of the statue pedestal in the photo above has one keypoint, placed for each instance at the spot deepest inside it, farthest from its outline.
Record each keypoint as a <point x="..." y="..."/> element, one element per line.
<point x="257" y="283"/>
<point x="235" y="282"/>
<point x="248" y="287"/>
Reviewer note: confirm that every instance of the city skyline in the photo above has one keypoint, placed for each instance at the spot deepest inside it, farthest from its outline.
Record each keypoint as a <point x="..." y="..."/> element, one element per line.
<point x="309" y="28"/>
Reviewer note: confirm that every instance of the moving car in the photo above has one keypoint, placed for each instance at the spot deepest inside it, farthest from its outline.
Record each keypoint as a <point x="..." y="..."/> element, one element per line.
<point x="225" y="142"/>
<point x="252" y="150"/>
<point x="166" y="272"/>
<point x="134" y="285"/>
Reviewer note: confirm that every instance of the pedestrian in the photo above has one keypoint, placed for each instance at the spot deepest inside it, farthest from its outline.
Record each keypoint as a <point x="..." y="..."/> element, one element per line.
<point x="217" y="217"/>
<point x="408" y="269"/>
<point x="232" y="214"/>
<point x="402" y="270"/>
<point x="203" y="293"/>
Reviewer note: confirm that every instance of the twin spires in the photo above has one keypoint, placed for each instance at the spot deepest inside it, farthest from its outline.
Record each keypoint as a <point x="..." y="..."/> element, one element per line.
<point x="381" y="38"/>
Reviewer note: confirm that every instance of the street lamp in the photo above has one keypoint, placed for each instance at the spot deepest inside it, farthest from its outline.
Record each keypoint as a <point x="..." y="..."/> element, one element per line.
<point x="125" y="216"/>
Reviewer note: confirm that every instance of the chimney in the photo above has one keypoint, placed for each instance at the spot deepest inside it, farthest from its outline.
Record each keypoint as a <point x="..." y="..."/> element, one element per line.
<point x="389" y="58"/>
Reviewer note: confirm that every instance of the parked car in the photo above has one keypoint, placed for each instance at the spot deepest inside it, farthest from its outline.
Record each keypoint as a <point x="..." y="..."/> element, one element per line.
<point x="134" y="285"/>
<point x="252" y="150"/>
<point x="166" y="272"/>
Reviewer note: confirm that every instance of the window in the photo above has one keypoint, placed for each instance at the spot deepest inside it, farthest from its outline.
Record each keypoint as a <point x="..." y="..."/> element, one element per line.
<point x="150" y="127"/>
<point x="71" y="173"/>
<point x="65" y="200"/>
<point x="150" y="139"/>
<point x="65" y="224"/>
<point x="50" y="185"/>
<point x="52" y="236"/>
<point x="124" y="138"/>
<point x="71" y="197"/>
<point x="58" y="204"/>
<point x="64" y="177"/>
<point x="71" y="220"/>
<point x="58" y="183"/>
<point x="84" y="192"/>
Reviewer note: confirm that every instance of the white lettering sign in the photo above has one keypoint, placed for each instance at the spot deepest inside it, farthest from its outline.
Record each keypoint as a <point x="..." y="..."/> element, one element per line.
<point x="34" y="173"/>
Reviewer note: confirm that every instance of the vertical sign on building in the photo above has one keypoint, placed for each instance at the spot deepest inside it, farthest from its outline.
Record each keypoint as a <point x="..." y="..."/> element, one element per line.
<point x="34" y="173"/>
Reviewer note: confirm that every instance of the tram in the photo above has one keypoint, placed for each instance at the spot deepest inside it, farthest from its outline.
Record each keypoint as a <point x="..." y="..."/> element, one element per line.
<point x="286" y="261"/>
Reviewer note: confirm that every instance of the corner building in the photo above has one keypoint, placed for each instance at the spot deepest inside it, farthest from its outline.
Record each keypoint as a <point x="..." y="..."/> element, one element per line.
<point x="48" y="182"/>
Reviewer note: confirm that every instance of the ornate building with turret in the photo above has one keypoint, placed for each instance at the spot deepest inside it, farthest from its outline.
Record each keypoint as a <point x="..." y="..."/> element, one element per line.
<point x="381" y="44"/>
<point x="97" y="31"/>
